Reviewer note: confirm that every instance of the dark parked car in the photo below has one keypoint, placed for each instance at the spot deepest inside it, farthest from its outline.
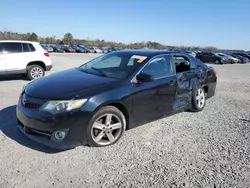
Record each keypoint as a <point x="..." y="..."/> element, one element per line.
<point x="242" y="59"/>
<point x="58" y="49"/>
<point x="209" y="57"/>
<point x="96" y="102"/>
<point x="68" y="49"/>
<point x="78" y="49"/>
<point x="44" y="47"/>
<point x="112" y="49"/>
<point x="242" y="54"/>
<point x="86" y="50"/>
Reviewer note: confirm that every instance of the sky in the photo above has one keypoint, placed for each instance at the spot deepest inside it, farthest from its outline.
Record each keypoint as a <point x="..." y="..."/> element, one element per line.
<point x="220" y="23"/>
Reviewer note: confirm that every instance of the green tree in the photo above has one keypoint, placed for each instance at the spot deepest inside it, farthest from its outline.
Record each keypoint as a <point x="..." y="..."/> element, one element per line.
<point x="68" y="38"/>
<point x="32" y="37"/>
<point x="58" y="41"/>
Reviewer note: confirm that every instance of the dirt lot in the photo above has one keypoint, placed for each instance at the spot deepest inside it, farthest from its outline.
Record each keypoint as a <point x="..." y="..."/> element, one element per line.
<point x="206" y="149"/>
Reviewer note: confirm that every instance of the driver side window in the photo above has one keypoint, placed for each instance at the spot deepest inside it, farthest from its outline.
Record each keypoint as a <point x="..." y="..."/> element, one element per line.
<point x="158" y="67"/>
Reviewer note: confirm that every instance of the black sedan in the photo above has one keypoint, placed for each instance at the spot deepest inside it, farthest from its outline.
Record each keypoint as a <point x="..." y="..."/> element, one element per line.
<point x="95" y="103"/>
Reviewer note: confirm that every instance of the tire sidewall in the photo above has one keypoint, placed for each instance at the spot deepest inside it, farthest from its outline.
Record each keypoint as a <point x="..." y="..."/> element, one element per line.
<point x="98" y="114"/>
<point x="195" y="107"/>
<point x="29" y="71"/>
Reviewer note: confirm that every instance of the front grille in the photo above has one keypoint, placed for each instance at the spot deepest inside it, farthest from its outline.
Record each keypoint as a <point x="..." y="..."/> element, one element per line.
<point x="31" y="105"/>
<point x="30" y="102"/>
<point x="35" y="132"/>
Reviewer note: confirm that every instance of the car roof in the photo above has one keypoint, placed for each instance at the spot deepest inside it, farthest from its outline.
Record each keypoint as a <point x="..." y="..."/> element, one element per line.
<point x="144" y="52"/>
<point x="23" y="41"/>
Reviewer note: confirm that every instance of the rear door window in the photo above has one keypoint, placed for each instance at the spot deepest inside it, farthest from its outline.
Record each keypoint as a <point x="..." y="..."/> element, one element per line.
<point x="1" y="47"/>
<point x="12" y="47"/>
<point x="182" y="63"/>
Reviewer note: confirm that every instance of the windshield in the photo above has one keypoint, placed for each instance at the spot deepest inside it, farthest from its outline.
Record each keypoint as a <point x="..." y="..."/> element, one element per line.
<point x="115" y="65"/>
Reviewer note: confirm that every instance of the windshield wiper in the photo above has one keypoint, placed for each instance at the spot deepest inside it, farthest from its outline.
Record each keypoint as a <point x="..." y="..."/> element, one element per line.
<point x="100" y="71"/>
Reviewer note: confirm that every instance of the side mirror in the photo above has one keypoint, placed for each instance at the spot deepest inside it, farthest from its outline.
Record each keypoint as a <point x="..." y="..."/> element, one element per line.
<point x="142" y="77"/>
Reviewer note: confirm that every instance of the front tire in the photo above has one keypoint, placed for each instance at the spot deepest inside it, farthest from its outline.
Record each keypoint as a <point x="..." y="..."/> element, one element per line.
<point x="198" y="99"/>
<point x="106" y="127"/>
<point x="35" y="72"/>
<point x="217" y="62"/>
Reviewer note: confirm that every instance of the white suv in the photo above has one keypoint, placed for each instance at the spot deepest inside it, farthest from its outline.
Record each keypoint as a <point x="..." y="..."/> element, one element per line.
<point x="23" y="57"/>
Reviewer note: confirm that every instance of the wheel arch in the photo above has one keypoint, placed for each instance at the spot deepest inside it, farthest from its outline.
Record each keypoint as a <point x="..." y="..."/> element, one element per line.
<point x="40" y="63"/>
<point x="120" y="106"/>
<point x="205" y="87"/>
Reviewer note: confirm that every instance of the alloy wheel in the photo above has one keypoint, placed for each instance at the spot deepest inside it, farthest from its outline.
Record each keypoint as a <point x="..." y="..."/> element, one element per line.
<point x="106" y="129"/>
<point x="36" y="73"/>
<point x="200" y="98"/>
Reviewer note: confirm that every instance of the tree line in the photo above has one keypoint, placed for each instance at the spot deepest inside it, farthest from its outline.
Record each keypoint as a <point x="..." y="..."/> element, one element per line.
<point x="68" y="39"/>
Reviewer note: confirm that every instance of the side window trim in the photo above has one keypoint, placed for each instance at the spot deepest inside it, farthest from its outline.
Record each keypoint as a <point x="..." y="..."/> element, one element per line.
<point x="22" y="47"/>
<point x="27" y="46"/>
<point x="1" y="48"/>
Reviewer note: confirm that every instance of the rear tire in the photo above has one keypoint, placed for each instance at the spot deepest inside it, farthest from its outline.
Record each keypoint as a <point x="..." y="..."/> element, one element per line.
<point x="35" y="72"/>
<point x="198" y="99"/>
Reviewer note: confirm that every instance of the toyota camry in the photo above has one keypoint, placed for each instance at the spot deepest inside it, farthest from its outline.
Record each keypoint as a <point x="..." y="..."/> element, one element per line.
<point x="96" y="102"/>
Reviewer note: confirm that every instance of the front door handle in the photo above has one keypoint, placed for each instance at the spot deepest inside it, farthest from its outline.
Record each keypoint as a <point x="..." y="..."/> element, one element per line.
<point x="171" y="83"/>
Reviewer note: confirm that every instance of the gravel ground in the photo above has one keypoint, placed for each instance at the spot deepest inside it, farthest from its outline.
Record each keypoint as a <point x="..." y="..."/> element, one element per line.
<point x="206" y="149"/>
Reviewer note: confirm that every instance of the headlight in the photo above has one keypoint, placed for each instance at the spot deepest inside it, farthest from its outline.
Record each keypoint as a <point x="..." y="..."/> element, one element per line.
<point x="56" y="107"/>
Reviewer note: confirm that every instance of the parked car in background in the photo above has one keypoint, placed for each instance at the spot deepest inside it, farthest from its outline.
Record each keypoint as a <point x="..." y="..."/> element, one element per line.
<point x="242" y="59"/>
<point x="104" y="50"/>
<point x="49" y="49"/>
<point x="96" y="102"/>
<point x="98" y="50"/>
<point x="44" y="47"/>
<point x="84" y="48"/>
<point x="95" y="50"/>
<point x="242" y="54"/>
<point x="91" y="49"/>
<point x="23" y="57"/>
<point x="228" y="61"/>
<point x="113" y="49"/>
<point x="231" y="59"/>
<point x="58" y="49"/>
<point x="191" y="53"/>
<point x="209" y="57"/>
<point x="78" y="49"/>
<point x="69" y="49"/>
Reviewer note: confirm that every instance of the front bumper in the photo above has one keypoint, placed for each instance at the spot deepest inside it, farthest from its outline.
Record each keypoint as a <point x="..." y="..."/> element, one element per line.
<point x="41" y="127"/>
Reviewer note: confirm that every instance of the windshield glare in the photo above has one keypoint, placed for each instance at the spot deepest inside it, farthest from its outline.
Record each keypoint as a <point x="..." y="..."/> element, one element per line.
<point x="112" y="65"/>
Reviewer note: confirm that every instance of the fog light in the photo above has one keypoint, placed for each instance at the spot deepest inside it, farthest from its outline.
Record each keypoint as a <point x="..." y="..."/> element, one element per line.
<point x="60" y="135"/>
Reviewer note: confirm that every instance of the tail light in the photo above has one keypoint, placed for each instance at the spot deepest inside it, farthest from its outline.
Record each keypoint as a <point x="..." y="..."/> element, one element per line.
<point x="215" y="73"/>
<point x="46" y="54"/>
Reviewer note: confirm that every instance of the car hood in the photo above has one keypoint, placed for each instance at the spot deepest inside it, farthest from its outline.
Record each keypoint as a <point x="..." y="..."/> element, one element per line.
<point x="65" y="85"/>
